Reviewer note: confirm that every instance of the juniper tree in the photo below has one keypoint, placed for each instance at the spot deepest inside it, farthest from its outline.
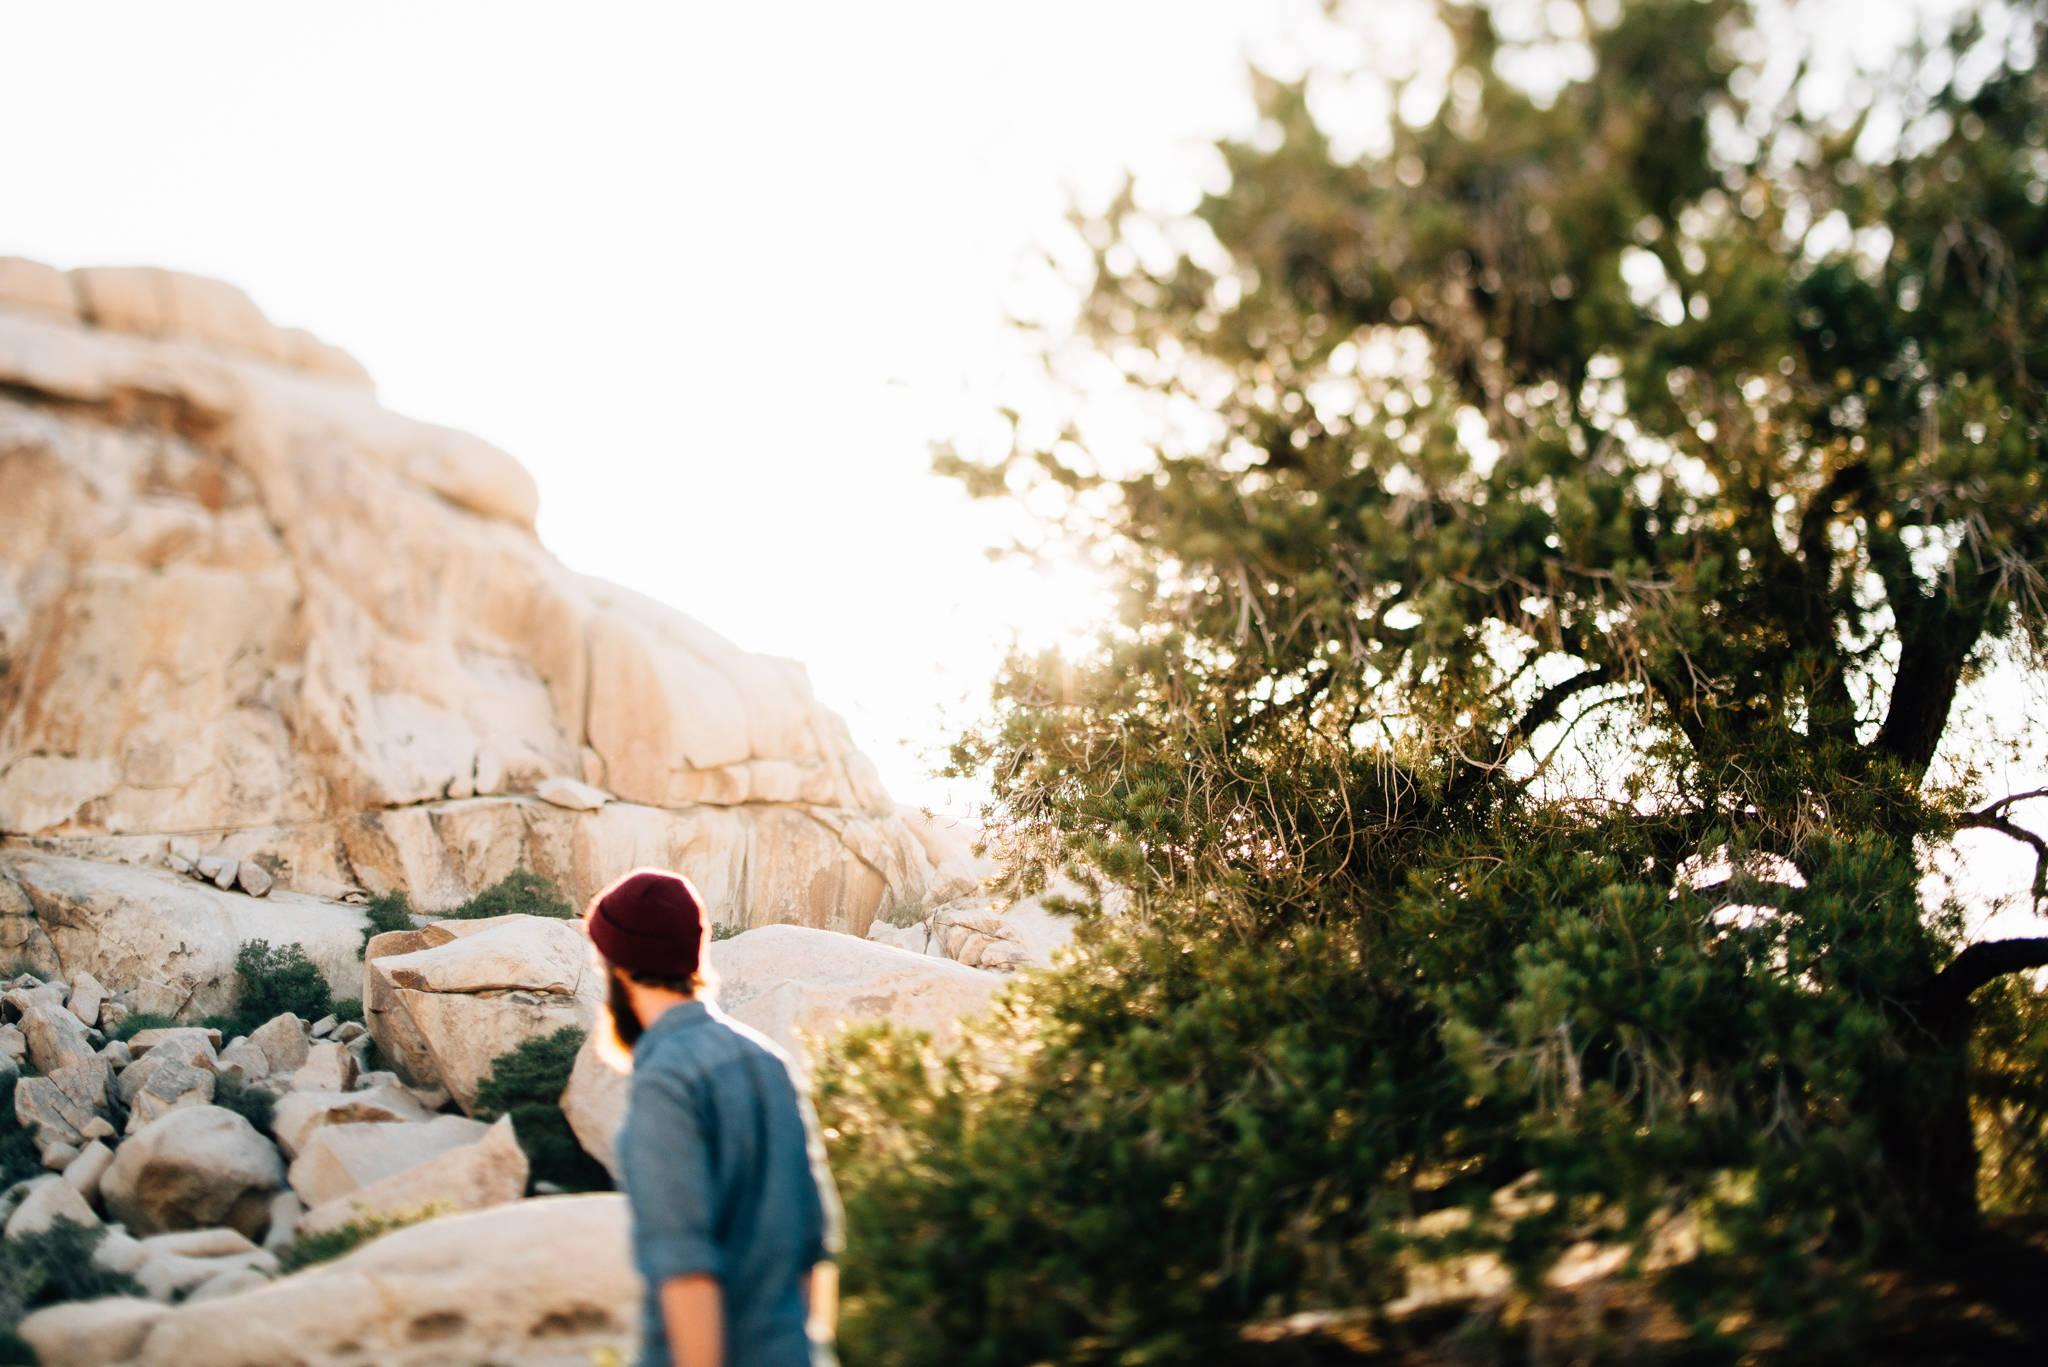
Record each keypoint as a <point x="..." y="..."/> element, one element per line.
<point x="1524" y="724"/>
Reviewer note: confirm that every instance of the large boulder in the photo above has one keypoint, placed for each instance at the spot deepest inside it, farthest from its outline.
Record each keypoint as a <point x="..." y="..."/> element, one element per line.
<point x="789" y="982"/>
<point x="195" y="1168"/>
<point x="239" y="596"/>
<point x="595" y="1102"/>
<point x="298" y="1115"/>
<point x="489" y="1172"/>
<point x="542" y="1283"/>
<point x="454" y="1007"/>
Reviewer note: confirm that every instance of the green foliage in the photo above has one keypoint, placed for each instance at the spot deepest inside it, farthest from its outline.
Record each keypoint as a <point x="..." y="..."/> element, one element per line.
<point x="144" y="1020"/>
<point x="527" y="1084"/>
<point x="275" y="981"/>
<point x="257" y="1107"/>
<point x="56" y="1265"/>
<point x="2009" y="1063"/>
<point x="518" y="893"/>
<point x="327" y="1245"/>
<point x="348" y="1009"/>
<point x="390" y="911"/>
<point x="723" y="931"/>
<point x="19" y="1157"/>
<point x="1523" y="728"/>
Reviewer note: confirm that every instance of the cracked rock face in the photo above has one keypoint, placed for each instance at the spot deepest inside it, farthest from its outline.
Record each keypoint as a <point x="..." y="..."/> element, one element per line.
<point x="475" y="990"/>
<point x="239" y="597"/>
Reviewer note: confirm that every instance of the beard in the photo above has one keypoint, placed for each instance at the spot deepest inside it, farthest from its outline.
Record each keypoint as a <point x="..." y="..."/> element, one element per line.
<point x="624" y="1022"/>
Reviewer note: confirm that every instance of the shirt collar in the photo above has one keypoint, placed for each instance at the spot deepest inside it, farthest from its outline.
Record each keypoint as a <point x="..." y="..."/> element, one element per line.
<point x="681" y="1016"/>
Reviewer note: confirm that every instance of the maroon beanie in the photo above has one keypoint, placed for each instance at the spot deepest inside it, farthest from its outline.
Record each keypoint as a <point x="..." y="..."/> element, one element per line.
<point x="651" y="924"/>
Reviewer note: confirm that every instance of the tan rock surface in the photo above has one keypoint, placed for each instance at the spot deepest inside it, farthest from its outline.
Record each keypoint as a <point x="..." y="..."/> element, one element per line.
<point x="339" y="1159"/>
<point x="299" y="1114"/>
<point x="787" y="980"/>
<point x="543" y="1283"/>
<point x="595" y="1103"/>
<point x="194" y="1168"/>
<point x="240" y="598"/>
<point x="91" y="1333"/>
<point x="490" y="1172"/>
<point x="479" y="994"/>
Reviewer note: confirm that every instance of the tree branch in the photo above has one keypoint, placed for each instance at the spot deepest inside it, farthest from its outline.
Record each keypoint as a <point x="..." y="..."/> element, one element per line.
<point x="1541" y="712"/>
<point x="1989" y="821"/>
<point x="1981" y="964"/>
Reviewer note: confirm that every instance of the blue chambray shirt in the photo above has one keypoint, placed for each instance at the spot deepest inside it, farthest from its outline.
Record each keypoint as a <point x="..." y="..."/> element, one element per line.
<point x="726" y="1176"/>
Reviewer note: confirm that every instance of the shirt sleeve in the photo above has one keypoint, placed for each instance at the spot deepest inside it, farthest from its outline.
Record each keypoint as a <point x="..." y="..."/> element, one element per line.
<point x="831" y="1219"/>
<point x="668" y="1174"/>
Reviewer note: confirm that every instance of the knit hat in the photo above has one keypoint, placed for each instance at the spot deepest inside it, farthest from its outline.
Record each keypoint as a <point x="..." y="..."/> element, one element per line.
<point x="651" y="924"/>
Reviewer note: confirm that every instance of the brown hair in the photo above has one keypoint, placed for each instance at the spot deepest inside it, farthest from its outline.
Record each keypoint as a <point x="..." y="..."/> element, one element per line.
<point x="626" y="1028"/>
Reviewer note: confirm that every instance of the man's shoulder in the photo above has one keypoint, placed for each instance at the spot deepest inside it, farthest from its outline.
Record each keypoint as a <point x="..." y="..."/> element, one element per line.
<point x="716" y="1041"/>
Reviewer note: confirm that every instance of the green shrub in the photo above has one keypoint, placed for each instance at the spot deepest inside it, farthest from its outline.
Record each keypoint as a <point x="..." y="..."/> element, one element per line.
<point x="18" y="1156"/>
<point x="141" y="1021"/>
<point x="43" y="1269"/>
<point x="726" y="932"/>
<point x="275" y="981"/>
<point x="519" y="893"/>
<point x="348" y="1009"/>
<point x="255" y="1106"/>
<point x="527" y="1084"/>
<point x="330" y="1244"/>
<point x="391" y="911"/>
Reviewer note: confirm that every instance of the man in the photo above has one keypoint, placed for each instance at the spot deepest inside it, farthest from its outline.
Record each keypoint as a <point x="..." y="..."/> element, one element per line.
<point x="734" y="1212"/>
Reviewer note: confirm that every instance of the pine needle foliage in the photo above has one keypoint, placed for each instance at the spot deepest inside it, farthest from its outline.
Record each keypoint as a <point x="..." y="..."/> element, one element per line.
<point x="519" y="893"/>
<point x="1524" y="729"/>
<point x="526" y="1084"/>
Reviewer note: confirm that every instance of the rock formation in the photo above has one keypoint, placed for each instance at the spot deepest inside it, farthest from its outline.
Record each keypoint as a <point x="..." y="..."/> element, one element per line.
<point x="246" y="609"/>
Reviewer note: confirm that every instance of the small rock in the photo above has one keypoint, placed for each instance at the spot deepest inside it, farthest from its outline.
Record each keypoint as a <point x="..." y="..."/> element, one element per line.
<point x="177" y="863"/>
<point x="195" y="1168"/>
<point x="170" y="1087"/>
<point x="283" y="1042"/>
<point x="58" y="1156"/>
<point x="574" y="794"/>
<point x="200" y="1243"/>
<point x="53" y="1198"/>
<point x="329" y="1067"/>
<point x="55" y="1039"/>
<point x="232" y="1282"/>
<point x="285" y="1212"/>
<point x="113" y="1015"/>
<point x="24" y="980"/>
<point x="208" y="867"/>
<point x="364" y="1048"/>
<point x="91" y="1333"/>
<point x="168" y="1276"/>
<point x="87" y="996"/>
<point x="13" y="1048"/>
<point x="324" y="1027"/>
<point x="62" y="1106"/>
<point x="255" y="879"/>
<point x="180" y="1035"/>
<point x="119" y="1251"/>
<point x="225" y="879"/>
<point x="118" y="1055"/>
<point x="300" y="1113"/>
<point x="244" y="1061"/>
<point x="99" y="1127"/>
<point x="549" y="1189"/>
<point x="86" y="1170"/>
<point x="348" y="1031"/>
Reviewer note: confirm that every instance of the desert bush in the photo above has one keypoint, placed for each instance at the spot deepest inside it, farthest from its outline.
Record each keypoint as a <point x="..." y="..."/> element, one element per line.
<point x="253" y="1104"/>
<point x="18" y="1155"/>
<point x="327" y="1245"/>
<point x="527" y="1084"/>
<point x="722" y="931"/>
<point x="141" y="1021"/>
<point x="519" y="893"/>
<point x="348" y="1009"/>
<point x="274" y="981"/>
<point x="387" y="912"/>
<point x="43" y="1269"/>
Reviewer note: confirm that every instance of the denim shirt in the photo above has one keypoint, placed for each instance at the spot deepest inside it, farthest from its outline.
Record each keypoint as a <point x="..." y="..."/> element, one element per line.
<point x="726" y="1176"/>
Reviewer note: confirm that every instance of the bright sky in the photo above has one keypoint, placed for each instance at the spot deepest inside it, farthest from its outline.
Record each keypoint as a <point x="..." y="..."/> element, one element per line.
<point x="715" y="273"/>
